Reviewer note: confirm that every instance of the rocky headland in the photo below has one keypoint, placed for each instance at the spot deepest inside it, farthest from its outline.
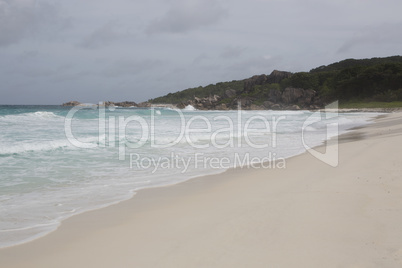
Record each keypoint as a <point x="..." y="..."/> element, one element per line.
<point x="288" y="99"/>
<point x="350" y="80"/>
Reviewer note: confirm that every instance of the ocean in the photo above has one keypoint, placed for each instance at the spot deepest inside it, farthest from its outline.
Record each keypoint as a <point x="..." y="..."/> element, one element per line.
<point x="57" y="161"/>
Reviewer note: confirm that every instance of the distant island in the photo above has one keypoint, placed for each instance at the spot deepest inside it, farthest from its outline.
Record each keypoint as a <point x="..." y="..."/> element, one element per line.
<point x="350" y="80"/>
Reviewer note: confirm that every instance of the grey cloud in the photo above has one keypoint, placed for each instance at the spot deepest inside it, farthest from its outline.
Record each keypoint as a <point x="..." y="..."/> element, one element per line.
<point x="131" y="67"/>
<point x="75" y="76"/>
<point x="200" y="58"/>
<point x="33" y="72"/>
<point x="187" y="15"/>
<point x="103" y="36"/>
<point x="252" y="66"/>
<point x="28" y="54"/>
<point x="384" y="34"/>
<point x="19" y="19"/>
<point x="232" y="52"/>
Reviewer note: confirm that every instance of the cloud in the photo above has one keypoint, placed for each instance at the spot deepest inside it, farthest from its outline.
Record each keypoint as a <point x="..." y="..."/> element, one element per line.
<point x="102" y="37"/>
<point x="252" y="66"/>
<point x="187" y="15"/>
<point x="384" y="34"/>
<point x="200" y="58"/>
<point x="21" y="18"/>
<point x="131" y="67"/>
<point x="232" y="52"/>
<point x="32" y="72"/>
<point x="64" y="76"/>
<point x="27" y="55"/>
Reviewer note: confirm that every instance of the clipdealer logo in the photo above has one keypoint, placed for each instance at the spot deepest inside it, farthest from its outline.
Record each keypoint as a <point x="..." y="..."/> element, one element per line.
<point x="115" y="127"/>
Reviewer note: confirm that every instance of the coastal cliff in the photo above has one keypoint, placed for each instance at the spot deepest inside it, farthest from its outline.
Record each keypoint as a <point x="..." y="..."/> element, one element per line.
<point x="351" y="80"/>
<point x="376" y="79"/>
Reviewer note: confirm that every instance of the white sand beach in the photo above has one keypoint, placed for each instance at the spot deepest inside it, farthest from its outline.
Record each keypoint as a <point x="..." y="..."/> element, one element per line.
<point x="307" y="215"/>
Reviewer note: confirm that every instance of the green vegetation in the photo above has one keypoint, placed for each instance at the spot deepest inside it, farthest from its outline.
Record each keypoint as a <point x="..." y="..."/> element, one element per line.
<point x="260" y="92"/>
<point x="349" y="63"/>
<point x="200" y="92"/>
<point x="376" y="80"/>
<point x="360" y="80"/>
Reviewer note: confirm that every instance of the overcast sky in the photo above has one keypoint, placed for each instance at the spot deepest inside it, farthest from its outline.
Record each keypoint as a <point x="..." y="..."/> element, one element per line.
<point x="93" y="50"/>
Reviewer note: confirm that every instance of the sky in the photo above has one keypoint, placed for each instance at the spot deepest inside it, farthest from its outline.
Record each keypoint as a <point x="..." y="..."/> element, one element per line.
<point x="52" y="52"/>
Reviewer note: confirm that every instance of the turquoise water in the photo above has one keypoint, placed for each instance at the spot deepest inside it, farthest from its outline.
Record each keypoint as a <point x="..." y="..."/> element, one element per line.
<point x="56" y="162"/>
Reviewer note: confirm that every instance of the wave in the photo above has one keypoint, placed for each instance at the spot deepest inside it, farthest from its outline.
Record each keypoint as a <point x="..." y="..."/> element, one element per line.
<point x="189" y="108"/>
<point x="6" y="149"/>
<point x="45" y="114"/>
<point x="40" y="115"/>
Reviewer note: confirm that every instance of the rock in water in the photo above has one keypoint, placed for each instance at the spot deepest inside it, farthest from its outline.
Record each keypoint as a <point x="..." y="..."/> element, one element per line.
<point x="72" y="103"/>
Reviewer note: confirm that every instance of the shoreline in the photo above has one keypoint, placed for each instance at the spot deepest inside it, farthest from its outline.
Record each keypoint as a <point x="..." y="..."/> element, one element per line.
<point x="48" y="227"/>
<point x="156" y="200"/>
<point x="238" y="161"/>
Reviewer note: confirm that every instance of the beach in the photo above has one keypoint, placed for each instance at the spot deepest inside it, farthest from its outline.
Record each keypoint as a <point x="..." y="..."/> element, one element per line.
<point x="308" y="214"/>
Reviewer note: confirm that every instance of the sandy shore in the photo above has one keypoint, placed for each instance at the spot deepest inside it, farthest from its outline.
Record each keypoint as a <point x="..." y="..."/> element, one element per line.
<point x="307" y="215"/>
